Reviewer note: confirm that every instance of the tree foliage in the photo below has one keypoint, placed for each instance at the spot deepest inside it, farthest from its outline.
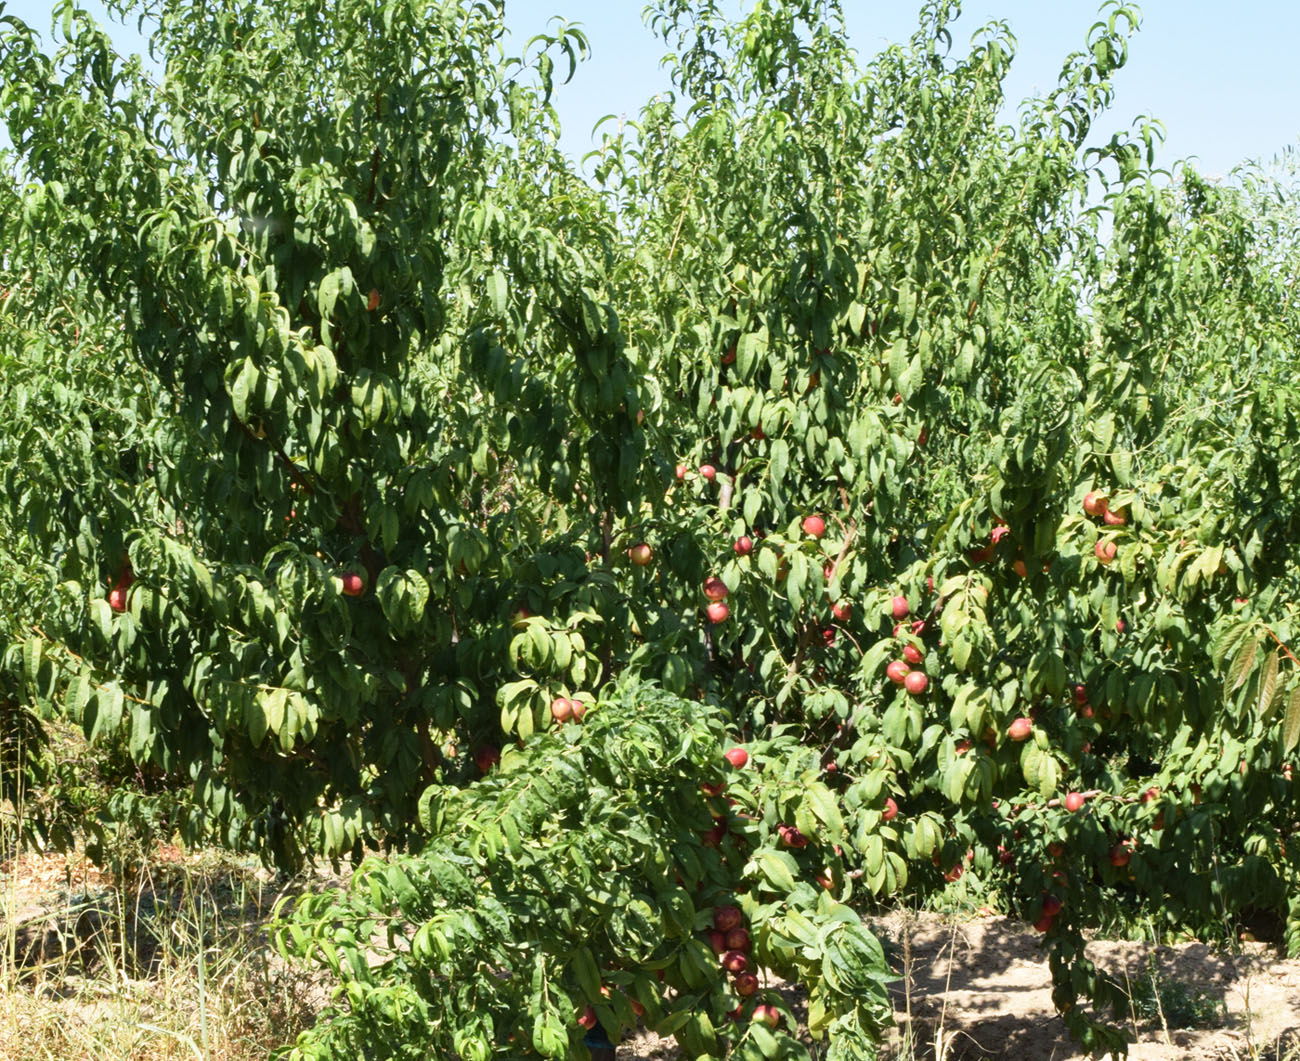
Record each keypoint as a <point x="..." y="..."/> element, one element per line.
<point x="327" y="305"/>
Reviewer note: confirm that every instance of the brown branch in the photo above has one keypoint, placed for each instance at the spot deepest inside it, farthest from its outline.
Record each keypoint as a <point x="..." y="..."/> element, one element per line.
<point x="98" y="686"/>
<point x="374" y="173"/>
<point x="428" y="750"/>
<point x="294" y="472"/>
<point x="850" y="532"/>
<point x="1285" y="650"/>
<point x="726" y="492"/>
<point x="350" y="515"/>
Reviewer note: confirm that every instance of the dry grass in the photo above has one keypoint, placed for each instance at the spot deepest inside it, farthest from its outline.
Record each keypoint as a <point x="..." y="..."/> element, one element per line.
<point x="175" y="965"/>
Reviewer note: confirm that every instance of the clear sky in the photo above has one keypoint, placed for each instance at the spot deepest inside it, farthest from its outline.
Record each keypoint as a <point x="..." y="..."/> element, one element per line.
<point x="1223" y="77"/>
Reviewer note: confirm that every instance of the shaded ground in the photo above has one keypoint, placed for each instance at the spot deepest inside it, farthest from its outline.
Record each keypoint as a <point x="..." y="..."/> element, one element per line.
<point x="980" y="988"/>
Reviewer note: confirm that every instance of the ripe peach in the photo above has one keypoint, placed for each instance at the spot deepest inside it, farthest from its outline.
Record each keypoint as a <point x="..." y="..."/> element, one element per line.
<point x="916" y="682"/>
<point x="1020" y="729"/>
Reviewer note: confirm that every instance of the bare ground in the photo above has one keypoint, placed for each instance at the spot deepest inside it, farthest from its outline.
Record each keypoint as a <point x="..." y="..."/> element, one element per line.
<point x="980" y="989"/>
<point x="970" y="988"/>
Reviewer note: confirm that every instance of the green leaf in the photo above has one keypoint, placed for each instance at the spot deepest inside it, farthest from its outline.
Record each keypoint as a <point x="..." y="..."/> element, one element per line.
<point x="1103" y="431"/>
<point x="1230" y="640"/>
<point x="751" y="348"/>
<point x="497" y="290"/>
<point x="77" y="697"/>
<point x="1240" y="669"/>
<point x="1122" y="462"/>
<point x="824" y="807"/>
<point x="402" y="596"/>
<point x="779" y="868"/>
<point x="336" y="284"/>
<point x="954" y="778"/>
<point x="587" y="972"/>
<point x="32" y="651"/>
<point x="111" y="702"/>
<point x="142" y="735"/>
<point x="795" y="579"/>
<point x="1291" y="723"/>
<point x="898" y="364"/>
<point x="965" y="364"/>
<point x="1267" y="686"/>
<point x="779" y="460"/>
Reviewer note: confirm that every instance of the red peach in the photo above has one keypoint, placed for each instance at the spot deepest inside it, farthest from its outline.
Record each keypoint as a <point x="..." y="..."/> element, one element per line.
<point x="814" y="526"/>
<point x="916" y="682"/>
<point x="735" y="962"/>
<point x="738" y="939"/>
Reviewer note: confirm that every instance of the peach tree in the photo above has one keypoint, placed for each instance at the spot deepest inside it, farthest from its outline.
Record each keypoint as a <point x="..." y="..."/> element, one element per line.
<point x="323" y="430"/>
<point x="1003" y="497"/>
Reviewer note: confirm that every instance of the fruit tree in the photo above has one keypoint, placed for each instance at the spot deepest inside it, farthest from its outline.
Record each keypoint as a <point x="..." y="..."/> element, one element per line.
<point x="392" y="488"/>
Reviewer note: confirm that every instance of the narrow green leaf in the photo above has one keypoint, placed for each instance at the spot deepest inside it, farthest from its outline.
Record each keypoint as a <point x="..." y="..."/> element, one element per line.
<point x="1267" y="686"/>
<point x="77" y="696"/>
<point x="1240" y="668"/>
<point x="497" y="289"/>
<point x="588" y="974"/>
<point x="898" y="363"/>
<point x="32" y="651"/>
<point x="1291" y="724"/>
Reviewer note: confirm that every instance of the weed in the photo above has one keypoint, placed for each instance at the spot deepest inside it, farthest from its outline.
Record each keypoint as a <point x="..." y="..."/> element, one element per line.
<point x="1155" y="997"/>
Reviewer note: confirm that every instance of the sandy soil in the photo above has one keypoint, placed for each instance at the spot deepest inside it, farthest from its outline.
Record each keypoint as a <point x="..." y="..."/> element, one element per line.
<point x="980" y="988"/>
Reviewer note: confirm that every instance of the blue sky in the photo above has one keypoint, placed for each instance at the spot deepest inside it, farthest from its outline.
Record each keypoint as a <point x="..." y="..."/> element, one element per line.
<point x="1224" y="78"/>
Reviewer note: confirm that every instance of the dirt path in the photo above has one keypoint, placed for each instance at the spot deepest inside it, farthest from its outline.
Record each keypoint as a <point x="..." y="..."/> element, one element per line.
<point x="981" y="989"/>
